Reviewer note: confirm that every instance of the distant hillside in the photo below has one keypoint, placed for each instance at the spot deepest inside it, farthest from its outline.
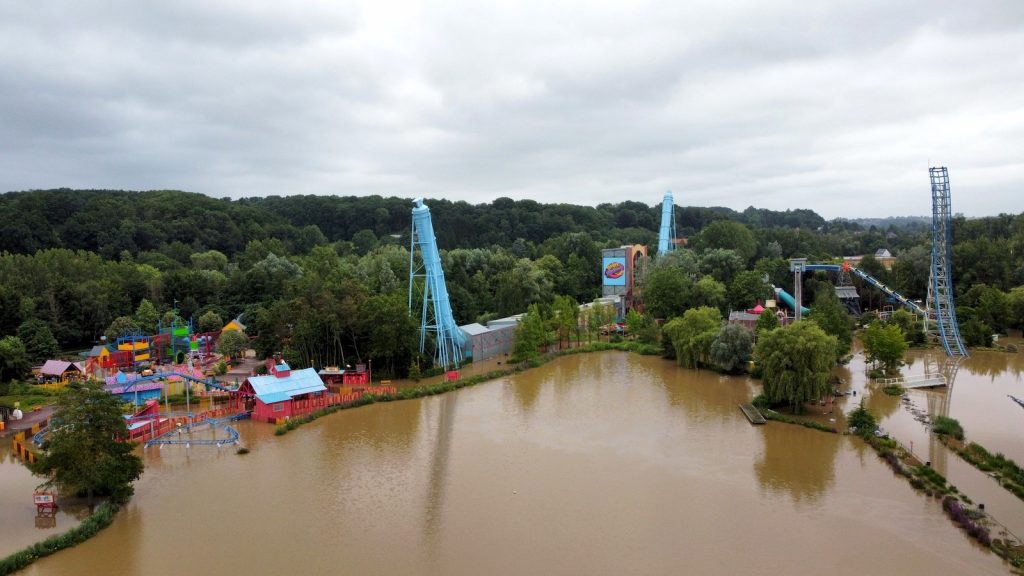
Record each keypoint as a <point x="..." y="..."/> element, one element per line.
<point x="114" y="222"/>
<point x="907" y="222"/>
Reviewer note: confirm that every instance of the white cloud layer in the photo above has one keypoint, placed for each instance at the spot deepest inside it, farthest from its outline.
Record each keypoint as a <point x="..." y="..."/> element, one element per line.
<point x="839" y="107"/>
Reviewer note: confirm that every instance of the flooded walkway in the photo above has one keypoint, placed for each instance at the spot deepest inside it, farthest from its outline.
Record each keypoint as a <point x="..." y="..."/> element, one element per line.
<point x="604" y="463"/>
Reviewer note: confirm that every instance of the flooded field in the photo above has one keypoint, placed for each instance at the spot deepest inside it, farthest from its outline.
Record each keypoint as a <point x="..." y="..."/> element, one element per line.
<point x="604" y="463"/>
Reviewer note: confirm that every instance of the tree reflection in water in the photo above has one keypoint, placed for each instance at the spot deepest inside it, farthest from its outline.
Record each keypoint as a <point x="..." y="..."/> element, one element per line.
<point x="797" y="461"/>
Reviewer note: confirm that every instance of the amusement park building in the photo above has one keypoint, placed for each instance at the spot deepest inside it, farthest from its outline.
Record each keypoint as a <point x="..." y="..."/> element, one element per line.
<point x="284" y="393"/>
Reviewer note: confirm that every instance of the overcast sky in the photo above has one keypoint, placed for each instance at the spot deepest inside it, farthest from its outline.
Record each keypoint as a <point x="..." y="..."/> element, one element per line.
<point x="839" y="107"/>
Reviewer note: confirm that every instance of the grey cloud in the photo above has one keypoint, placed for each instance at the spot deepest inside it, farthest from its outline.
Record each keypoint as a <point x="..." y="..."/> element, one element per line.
<point x="837" y="107"/>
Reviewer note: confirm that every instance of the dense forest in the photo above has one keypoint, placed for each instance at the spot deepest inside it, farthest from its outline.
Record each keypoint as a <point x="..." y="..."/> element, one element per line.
<point x="325" y="279"/>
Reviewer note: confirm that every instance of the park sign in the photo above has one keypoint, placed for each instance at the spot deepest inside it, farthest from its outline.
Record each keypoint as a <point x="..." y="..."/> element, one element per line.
<point x="614" y="272"/>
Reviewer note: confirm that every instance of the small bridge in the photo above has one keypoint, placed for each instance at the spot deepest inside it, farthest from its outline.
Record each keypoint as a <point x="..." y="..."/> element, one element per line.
<point x="918" y="381"/>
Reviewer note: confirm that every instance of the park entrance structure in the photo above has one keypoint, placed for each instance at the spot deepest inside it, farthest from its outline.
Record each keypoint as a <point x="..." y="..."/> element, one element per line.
<point x="436" y="318"/>
<point x="940" y="320"/>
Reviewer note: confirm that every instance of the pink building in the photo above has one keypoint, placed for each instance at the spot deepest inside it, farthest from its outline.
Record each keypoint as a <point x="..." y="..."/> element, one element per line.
<point x="284" y="393"/>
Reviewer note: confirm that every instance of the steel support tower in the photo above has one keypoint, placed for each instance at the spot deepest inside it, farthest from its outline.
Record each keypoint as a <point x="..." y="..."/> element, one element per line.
<point x="797" y="267"/>
<point x="436" y="315"/>
<point x="667" y="236"/>
<point x="940" y="320"/>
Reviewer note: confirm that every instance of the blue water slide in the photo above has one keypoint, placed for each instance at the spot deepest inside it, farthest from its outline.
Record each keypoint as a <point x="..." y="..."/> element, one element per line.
<point x="889" y="292"/>
<point x="788" y="300"/>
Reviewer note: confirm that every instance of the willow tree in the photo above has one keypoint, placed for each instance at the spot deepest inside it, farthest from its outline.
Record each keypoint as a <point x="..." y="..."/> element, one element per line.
<point x="693" y="334"/>
<point x="795" y="362"/>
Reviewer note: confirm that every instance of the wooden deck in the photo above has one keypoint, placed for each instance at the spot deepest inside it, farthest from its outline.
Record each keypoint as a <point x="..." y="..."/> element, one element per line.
<point x="752" y="414"/>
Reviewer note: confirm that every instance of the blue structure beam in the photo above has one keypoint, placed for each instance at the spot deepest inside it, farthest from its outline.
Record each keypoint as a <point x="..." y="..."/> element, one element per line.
<point x="667" y="236"/>
<point x="436" y="312"/>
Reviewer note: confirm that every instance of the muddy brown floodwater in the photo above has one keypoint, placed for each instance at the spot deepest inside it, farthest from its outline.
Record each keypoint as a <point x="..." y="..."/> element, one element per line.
<point x="605" y="463"/>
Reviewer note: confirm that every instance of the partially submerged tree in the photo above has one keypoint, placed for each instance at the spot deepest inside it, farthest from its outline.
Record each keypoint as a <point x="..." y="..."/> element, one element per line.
<point x="731" y="349"/>
<point x="87" y="451"/>
<point x="884" y="343"/>
<point x="796" y="362"/>
<point x="692" y="335"/>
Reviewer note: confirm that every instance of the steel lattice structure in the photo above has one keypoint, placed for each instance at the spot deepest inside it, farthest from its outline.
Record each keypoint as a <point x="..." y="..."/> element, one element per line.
<point x="941" y="311"/>
<point x="667" y="236"/>
<point x="436" y="315"/>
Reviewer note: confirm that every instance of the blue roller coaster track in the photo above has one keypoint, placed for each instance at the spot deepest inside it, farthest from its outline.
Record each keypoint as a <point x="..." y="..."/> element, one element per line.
<point x="436" y="315"/>
<point x="941" y="320"/>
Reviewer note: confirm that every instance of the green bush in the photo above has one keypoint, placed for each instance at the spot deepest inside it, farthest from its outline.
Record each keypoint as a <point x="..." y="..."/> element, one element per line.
<point x="863" y="421"/>
<point x="893" y="390"/>
<point x="946" y="426"/>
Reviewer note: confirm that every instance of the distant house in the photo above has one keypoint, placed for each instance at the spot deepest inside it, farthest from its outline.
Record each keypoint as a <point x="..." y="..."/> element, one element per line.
<point x="61" y="372"/>
<point x="284" y="393"/>
<point x="235" y="324"/>
<point x="883" y="253"/>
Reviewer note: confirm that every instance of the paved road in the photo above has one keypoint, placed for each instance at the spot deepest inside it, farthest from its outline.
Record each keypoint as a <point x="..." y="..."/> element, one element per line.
<point x="26" y="423"/>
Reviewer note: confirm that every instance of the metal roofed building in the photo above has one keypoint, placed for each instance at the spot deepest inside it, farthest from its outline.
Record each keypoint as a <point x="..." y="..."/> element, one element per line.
<point x="483" y="342"/>
<point x="284" y="393"/>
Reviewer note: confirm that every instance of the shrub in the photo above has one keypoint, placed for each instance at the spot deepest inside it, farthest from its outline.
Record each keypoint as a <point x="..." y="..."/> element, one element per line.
<point x="893" y="390"/>
<point x="944" y="425"/>
<point x="862" y="420"/>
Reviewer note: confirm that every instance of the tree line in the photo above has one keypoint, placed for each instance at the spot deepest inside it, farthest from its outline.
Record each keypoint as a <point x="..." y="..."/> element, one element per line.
<point x="325" y="279"/>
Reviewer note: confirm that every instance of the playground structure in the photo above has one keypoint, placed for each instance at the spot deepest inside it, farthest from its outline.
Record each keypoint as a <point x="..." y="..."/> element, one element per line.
<point x="436" y="318"/>
<point x="134" y="351"/>
<point x="667" y="235"/>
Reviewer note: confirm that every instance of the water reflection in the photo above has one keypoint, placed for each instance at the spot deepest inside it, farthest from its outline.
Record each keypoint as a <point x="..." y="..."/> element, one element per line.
<point x="437" y="480"/>
<point x="797" y="462"/>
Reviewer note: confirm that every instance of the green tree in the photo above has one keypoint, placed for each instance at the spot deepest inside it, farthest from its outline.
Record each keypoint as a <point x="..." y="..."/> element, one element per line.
<point x="232" y="344"/>
<point x="831" y="317"/>
<point x="209" y="260"/>
<point x="120" y="326"/>
<point x="40" y="345"/>
<point x="389" y="331"/>
<point x="707" y="292"/>
<point x="665" y="293"/>
<point x="884" y="343"/>
<point x="85" y="452"/>
<point x="642" y="327"/>
<point x="692" y="335"/>
<point x="728" y="235"/>
<point x="209" y="322"/>
<point x="1015" y="304"/>
<point x="721" y="264"/>
<point x="530" y="335"/>
<point x="14" y="362"/>
<point x="732" y="348"/>
<point x="796" y="361"/>
<point x="766" y="322"/>
<point x="861" y="420"/>
<point x="566" y="318"/>
<point x="747" y="289"/>
<point x="913" y="332"/>
<point x="975" y="333"/>
<point x="147" y="317"/>
<point x="599" y="315"/>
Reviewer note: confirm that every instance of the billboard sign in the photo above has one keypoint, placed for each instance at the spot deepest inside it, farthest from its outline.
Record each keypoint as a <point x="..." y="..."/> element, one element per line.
<point x="614" y="273"/>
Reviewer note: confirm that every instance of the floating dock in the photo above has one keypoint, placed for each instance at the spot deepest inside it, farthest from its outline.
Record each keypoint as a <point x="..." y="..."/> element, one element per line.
<point x="752" y="414"/>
